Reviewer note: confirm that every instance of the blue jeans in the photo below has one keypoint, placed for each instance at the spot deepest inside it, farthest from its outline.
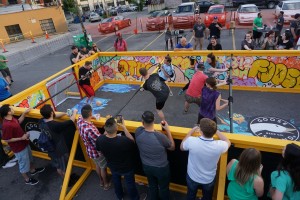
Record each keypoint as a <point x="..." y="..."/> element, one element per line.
<point x="130" y="184"/>
<point x="158" y="180"/>
<point x="207" y="189"/>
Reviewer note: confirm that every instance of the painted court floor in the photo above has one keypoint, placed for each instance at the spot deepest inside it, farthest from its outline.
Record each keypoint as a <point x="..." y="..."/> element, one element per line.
<point x="262" y="114"/>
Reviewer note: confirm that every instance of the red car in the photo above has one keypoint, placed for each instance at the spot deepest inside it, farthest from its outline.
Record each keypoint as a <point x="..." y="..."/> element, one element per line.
<point x="218" y="11"/>
<point x="185" y="15"/>
<point x="158" y="20"/>
<point x="113" y="24"/>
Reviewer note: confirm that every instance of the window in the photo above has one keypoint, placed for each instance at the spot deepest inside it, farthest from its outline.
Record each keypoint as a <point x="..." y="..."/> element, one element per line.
<point x="14" y="32"/>
<point x="47" y="25"/>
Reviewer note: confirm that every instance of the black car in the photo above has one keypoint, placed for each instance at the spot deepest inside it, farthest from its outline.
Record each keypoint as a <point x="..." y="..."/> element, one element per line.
<point x="265" y="3"/>
<point x="204" y="5"/>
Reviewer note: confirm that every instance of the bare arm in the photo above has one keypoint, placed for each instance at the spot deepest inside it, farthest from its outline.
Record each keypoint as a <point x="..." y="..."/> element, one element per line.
<point x="275" y="194"/>
<point x="60" y="114"/>
<point x="24" y="137"/>
<point x="229" y="165"/>
<point x="3" y="60"/>
<point x="293" y="32"/>
<point x="218" y="103"/>
<point x="258" y="186"/>
<point x="22" y="117"/>
<point x="217" y="70"/>
<point x="127" y="134"/>
<point x="223" y="137"/>
<point x="169" y="135"/>
<point x="73" y="117"/>
<point x="186" y="137"/>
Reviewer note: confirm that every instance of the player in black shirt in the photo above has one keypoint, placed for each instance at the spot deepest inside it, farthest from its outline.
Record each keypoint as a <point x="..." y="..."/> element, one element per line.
<point x="85" y="82"/>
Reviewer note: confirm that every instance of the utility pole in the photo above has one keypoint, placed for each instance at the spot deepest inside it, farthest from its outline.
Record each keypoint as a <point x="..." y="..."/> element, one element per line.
<point x="81" y="23"/>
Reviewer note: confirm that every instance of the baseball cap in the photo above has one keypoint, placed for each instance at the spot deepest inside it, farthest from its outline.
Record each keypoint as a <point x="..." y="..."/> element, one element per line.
<point x="148" y="117"/>
<point x="215" y="17"/>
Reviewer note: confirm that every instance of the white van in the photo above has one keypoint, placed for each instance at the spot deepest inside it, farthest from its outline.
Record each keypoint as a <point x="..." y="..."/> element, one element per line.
<point x="290" y="8"/>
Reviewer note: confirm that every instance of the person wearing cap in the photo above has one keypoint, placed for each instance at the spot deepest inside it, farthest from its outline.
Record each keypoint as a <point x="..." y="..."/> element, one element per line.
<point x="215" y="28"/>
<point x="84" y="81"/>
<point x="153" y="147"/>
<point x="295" y="28"/>
<point x="198" y="33"/>
<point x="119" y="152"/>
<point x="193" y="93"/>
<point x="158" y="88"/>
<point x="120" y="44"/>
<point x="214" y="45"/>
<point x="279" y="24"/>
<point x="75" y="56"/>
<point x="183" y="45"/>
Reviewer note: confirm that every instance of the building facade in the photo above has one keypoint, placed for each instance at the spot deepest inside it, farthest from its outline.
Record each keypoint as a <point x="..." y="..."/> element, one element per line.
<point x="90" y="5"/>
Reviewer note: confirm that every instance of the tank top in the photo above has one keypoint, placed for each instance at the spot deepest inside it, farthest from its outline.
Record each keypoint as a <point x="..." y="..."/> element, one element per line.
<point x="208" y="103"/>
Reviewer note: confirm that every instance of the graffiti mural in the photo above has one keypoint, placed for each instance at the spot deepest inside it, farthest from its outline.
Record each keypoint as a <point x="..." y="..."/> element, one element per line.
<point x="252" y="71"/>
<point x="97" y="104"/>
<point x="262" y="126"/>
<point x="31" y="100"/>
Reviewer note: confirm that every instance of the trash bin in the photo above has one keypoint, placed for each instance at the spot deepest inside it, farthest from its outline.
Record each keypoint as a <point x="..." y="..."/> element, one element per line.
<point x="79" y="40"/>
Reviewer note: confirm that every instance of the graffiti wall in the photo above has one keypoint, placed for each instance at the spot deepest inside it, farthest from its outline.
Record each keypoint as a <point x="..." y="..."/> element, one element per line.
<point x="31" y="100"/>
<point x="253" y="71"/>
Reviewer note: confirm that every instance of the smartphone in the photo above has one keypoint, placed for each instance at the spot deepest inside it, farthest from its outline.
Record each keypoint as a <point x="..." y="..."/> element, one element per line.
<point x="119" y="119"/>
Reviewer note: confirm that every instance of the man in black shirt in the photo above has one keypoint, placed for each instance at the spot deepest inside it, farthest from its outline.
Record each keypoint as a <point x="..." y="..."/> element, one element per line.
<point x="84" y="81"/>
<point x="60" y="155"/>
<point x="279" y="24"/>
<point x="214" y="45"/>
<point x="215" y="28"/>
<point x="119" y="152"/>
<point x="158" y="88"/>
<point x="75" y="56"/>
<point x="295" y="28"/>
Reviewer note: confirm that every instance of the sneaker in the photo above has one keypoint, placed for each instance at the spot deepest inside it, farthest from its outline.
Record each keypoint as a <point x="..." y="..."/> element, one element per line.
<point x="171" y="93"/>
<point x="37" y="171"/>
<point x="31" y="181"/>
<point x="143" y="196"/>
<point x="9" y="165"/>
<point x="180" y="92"/>
<point x="13" y="160"/>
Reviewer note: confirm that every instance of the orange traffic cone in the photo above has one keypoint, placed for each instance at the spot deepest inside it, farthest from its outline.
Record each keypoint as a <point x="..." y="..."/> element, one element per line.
<point x="47" y="35"/>
<point x="32" y="38"/>
<point x="135" y="31"/>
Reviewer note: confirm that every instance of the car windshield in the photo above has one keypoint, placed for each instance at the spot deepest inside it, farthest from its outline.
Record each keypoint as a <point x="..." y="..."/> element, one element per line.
<point x="215" y="10"/>
<point x="155" y="14"/>
<point x="183" y="9"/>
<point x="107" y="20"/>
<point x="291" y="6"/>
<point x="249" y="10"/>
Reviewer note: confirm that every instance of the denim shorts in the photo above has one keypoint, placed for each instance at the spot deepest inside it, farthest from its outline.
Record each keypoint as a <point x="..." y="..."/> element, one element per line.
<point x="24" y="159"/>
<point x="100" y="162"/>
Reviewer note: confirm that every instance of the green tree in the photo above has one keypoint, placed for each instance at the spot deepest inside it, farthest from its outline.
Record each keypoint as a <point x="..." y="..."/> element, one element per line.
<point x="69" y="6"/>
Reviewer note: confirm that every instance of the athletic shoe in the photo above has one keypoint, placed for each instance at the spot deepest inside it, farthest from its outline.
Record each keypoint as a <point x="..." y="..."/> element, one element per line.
<point x="31" y="181"/>
<point x="171" y="93"/>
<point x="13" y="160"/>
<point x="143" y="196"/>
<point x="37" y="171"/>
<point x="9" y="165"/>
<point x="180" y="92"/>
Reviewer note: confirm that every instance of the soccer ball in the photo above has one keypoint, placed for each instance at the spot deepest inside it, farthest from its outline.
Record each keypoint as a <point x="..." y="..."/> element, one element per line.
<point x="98" y="103"/>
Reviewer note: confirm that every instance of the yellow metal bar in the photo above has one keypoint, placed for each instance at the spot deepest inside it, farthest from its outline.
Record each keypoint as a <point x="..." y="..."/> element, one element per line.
<point x="222" y="176"/>
<point x="73" y="93"/>
<point x="69" y="167"/>
<point x="86" y="157"/>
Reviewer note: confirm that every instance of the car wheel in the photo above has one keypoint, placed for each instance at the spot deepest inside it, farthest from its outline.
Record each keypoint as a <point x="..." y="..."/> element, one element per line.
<point x="271" y="5"/>
<point x="129" y="22"/>
<point x="116" y="28"/>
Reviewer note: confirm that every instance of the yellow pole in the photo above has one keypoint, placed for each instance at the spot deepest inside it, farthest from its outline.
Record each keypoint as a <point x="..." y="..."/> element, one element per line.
<point x="222" y="176"/>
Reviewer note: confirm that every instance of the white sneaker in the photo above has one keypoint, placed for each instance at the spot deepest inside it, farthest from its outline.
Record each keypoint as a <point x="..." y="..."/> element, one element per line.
<point x="9" y="165"/>
<point x="13" y="160"/>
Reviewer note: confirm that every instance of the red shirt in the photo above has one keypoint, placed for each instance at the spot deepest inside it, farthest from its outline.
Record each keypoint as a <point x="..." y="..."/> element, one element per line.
<point x="12" y="129"/>
<point x="121" y="45"/>
<point x="196" y="85"/>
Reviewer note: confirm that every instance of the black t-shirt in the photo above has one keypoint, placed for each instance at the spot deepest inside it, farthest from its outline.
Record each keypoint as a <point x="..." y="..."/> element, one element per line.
<point x="82" y="72"/>
<point x="73" y="56"/>
<point x="157" y="87"/>
<point x="296" y="25"/>
<point x="280" y="20"/>
<point x="286" y="45"/>
<point x="250" y="45"/>
<point x="214" y="30"/>
<point x="120" y="152"/>
<point x="58" y="129"/>
<point x="217" y="47"/>
<point x="199" y="29"/>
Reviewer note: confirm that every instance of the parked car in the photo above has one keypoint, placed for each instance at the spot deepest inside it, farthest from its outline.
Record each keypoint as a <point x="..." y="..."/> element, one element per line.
<point x="69" y="17"/>
<point x="86" y="14"/>
<point x="290" y="8"/>
<point x="94" y="17"/>
<point x="204" y="5"/>
<point x="113" y="24"/>
<point x="266" y="3"/>
<point x="245" y="14"/>
<point x="113" y="12"/>
<point x="100" y="11"/>
<point x="133" y="7"/>
<point x="158" y="20"/>
<point x="125" y="8"/>
<point x="185" y="15"/>
<point x="76" y="19"/>
<point x="215" y="11"/>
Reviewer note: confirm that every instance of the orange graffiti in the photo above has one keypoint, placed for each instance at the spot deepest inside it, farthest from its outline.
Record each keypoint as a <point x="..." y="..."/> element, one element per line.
<point x="131" y="67"/>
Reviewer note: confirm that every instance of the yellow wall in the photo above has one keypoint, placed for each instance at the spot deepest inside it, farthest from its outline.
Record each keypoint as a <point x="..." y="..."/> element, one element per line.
<point x="29" y="21"/>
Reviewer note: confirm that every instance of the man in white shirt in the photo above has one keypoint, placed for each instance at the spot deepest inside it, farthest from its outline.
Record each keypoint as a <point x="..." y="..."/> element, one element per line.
<point x="204" y="154"/>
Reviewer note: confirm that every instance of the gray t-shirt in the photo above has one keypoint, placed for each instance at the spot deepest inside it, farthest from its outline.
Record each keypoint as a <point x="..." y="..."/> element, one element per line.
<point x="153" y="147"/>
<point x="199" y="29"/>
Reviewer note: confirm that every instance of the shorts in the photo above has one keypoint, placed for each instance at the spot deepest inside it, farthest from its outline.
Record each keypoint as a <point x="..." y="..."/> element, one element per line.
<point x="88" y="90"/>
<point x="60" y="162"/>
<point x="160" y="104"/>
<point x="24" y="159"/>
<point x="5" y="72"/>
<point x="100" y="162"/>
<point x="190" y="99"/>
<point x="256" y="34"/>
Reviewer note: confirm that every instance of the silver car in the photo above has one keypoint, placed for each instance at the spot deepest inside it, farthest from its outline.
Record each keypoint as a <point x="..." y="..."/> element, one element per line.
<point x="94" y="17"/>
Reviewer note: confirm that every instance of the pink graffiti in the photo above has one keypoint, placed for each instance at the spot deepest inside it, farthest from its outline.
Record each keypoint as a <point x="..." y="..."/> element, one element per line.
<point x="107" y="71"/>
<point x="143" y="59"/>
<point x="243" y="82"/>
